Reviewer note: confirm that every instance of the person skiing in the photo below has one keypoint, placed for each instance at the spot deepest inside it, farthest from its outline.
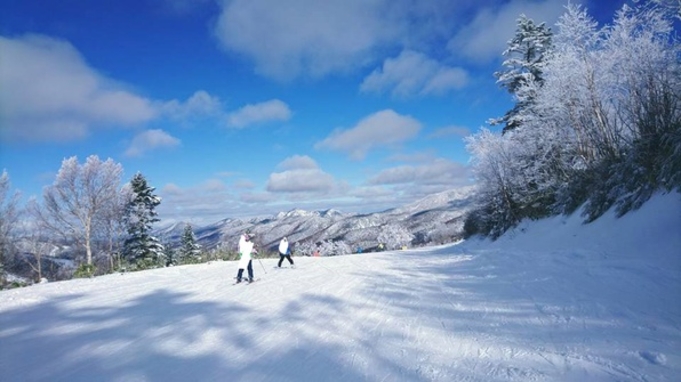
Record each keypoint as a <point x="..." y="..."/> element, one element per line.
<point x="284" y="252"/>
<point x="245" y="259"/>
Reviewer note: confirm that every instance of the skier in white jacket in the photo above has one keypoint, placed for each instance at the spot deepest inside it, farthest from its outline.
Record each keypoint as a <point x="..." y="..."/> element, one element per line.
<point x="284" y="252"/>
<point x="245" y="260"/>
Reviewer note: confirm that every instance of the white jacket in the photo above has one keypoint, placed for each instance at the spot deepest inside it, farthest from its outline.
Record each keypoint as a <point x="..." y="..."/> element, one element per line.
<point x="245" y="250"/>
<point x="283" y="246"/>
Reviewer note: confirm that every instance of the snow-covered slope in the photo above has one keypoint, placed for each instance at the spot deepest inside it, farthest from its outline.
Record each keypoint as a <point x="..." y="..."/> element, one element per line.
<point x="554" y="300"/>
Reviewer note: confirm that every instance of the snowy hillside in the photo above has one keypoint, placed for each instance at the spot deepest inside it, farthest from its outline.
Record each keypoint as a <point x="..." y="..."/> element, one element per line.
<point x="554" y="300"/>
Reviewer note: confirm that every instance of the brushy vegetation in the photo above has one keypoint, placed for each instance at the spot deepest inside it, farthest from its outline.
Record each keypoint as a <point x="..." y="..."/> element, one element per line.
<point x="597" y="121"/>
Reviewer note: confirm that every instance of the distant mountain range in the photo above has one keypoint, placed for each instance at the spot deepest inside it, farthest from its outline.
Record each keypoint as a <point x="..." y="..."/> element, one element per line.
<point x="435" y="219"/>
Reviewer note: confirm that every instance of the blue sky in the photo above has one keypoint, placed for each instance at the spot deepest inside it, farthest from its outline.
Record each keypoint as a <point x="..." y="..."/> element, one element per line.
<point x="238" y="108"/>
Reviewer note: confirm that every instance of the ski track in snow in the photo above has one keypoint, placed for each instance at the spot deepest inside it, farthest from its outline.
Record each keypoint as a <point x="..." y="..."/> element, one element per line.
<point x="468" y="312"/>
<point x="404" y="316"/>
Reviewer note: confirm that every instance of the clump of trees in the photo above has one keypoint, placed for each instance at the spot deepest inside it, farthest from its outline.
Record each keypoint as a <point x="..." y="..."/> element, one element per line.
<point x="395" y="236"/>
<point x="390" y="236"/>
<point x="9" y="215"/>
<point x="323" y="248"/>
<point x="104" y="227"/>
<point x="596" y="122"/>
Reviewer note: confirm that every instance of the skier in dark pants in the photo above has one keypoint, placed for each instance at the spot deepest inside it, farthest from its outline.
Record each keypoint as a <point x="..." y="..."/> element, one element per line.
<point x="284" y="252"/>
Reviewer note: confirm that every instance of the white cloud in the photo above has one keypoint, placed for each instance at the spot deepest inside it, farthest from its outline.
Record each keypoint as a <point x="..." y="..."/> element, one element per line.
<point x="300" y="180"/>
<point x="214" y="185"/>
<point x="450" y="131"/>
<point x="419" y="157"/>
<point x="310" y="38"/>
<point x="373" y="193"/>
<point x="273" y="110"/>
<point x="172" y="189"/>
<point x="384" y="128"/>
<point x="486" y="36"/>
<point x="200" y="104"/>
<point x="301" y="174"/>
<point x="412" y="73"/>
<point x="298" y="162"/>
<point x="288" y="38"/>
<point x="438" y="172"/>
<point x="203" y="203"/>
<point x="49" y="93"/>
<point x="150" y="140"/>
<point x="244" y="184"/>
<point x="257" y="197"/>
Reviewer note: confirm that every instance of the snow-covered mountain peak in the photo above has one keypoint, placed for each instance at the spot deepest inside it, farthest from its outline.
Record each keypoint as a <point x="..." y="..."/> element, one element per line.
<point x="294" y="213"/>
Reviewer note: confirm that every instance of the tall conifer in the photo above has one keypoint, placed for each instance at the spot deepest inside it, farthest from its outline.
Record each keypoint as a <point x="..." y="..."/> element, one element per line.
<point x="142" y="247"/>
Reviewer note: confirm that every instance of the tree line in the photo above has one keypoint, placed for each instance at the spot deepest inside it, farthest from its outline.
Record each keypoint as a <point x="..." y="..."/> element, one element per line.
<point x="87" y="213"/>
<point x="596" y="121"/>
<point x="87" y="217"/>
<point x="101" y="227"/>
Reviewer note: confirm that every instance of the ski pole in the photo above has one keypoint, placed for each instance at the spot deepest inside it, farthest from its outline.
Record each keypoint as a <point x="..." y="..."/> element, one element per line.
<point x="263" y="267"/>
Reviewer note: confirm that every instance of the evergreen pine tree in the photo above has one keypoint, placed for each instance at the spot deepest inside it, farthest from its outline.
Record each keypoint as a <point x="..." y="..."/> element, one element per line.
<point x="526" y="55"/>
<point x="190" y="251"/>
<point x="141" y="247"/>
<point x="171" y="255"/>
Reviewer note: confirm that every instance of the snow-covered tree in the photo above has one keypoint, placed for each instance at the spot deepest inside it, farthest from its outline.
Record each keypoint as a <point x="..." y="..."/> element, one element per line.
<point x="111" y="228"/>
<point x="342" y="247"/>
<point x="652" y="106"/>
<point x="394" y="236"/>
<point x="304" y="248"/>
<point x="79" y="199"/>
<point x="492" y="161"/>
<point x="325" y="248"/>
<point x="525" y="58"/>
<point x="9" y="215"/>
<point x="614" y="92"/>
<point x="141" y="246"/>
<point x="602" y="127"/>
<point x="35" y="243"/>
<point x="189" y="251"/>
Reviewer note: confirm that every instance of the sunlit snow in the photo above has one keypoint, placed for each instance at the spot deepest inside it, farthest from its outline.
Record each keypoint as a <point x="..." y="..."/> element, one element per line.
<point x="553" y="300"/>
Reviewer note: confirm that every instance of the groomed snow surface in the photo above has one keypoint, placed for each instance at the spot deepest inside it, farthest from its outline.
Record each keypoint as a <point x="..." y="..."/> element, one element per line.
<point x="552" y="301"/>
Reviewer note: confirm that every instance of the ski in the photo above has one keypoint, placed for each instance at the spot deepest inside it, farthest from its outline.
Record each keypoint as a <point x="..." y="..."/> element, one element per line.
<point x="245" y="281"/>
